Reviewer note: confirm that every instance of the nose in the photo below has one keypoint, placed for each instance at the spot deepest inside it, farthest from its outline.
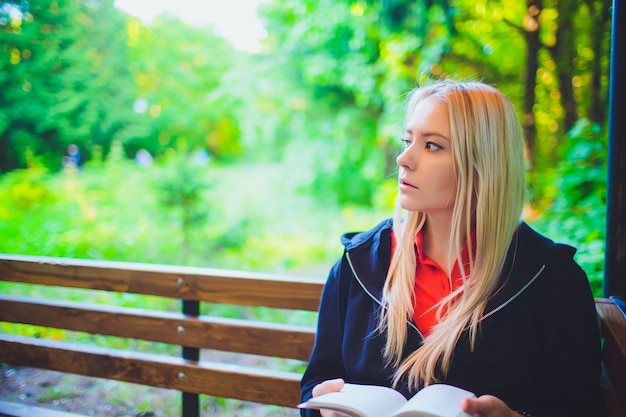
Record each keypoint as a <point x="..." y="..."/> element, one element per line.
<point x="405" y="161"/>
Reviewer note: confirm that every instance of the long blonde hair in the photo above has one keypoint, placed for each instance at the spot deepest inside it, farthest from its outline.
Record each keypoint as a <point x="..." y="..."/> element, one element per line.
<point x="488" y="147"/>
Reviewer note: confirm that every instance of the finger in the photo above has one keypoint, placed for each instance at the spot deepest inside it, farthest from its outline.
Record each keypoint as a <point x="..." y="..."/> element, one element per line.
<point x="469" y="406"/>
<point x="486" y="405"/>
<point x="332" y="385"/>
<point x="483" y="405"/>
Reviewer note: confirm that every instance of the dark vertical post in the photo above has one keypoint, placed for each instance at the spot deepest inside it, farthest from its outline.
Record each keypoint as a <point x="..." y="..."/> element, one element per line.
<point x="191" y="401"/>
<point x="615" y="251"/>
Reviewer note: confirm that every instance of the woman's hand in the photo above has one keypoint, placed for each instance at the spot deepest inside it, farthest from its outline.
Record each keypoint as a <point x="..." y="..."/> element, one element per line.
<point x="332" y="385"/>
<point x="487" y="406"/>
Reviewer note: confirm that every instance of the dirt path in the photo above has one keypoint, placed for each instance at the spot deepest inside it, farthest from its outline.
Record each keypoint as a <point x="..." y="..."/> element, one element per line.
<point x="104" y="398"/>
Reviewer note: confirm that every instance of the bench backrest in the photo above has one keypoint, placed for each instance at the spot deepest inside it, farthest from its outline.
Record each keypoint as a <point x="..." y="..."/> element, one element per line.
<point x="192" y="285"/>
<point x="613" y="322"/>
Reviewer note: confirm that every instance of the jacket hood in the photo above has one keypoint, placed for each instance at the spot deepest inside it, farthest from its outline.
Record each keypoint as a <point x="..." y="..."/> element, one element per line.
<point x="369" y="255"/>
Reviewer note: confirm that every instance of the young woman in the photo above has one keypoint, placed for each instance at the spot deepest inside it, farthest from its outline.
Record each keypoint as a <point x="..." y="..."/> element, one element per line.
<point x="456" y="288"/>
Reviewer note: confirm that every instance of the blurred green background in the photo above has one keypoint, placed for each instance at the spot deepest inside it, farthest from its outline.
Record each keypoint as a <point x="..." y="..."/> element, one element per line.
<point x="161" y="142"/>
<point x="193" y="152"/>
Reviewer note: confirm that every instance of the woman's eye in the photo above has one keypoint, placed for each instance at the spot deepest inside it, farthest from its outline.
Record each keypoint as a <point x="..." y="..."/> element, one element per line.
<point x="405" y="143"/>
<point x="432" y="146"/>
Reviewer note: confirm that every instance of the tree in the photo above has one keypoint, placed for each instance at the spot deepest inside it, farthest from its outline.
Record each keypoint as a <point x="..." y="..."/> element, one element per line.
<point x="353" y="60"/>
<point x="64" y="79"/>
<point x="180" y="72"/>
<point x="350" y="64"/>
<point x="531" y="30"/>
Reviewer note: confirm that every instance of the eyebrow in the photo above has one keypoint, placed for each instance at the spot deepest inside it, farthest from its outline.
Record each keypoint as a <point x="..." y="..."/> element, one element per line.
<point x="428" y="134"/>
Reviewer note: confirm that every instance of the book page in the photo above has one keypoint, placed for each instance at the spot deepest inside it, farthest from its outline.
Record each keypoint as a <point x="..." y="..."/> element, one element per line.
<point x="360" y="401"/>
<point x="438" y="400"/>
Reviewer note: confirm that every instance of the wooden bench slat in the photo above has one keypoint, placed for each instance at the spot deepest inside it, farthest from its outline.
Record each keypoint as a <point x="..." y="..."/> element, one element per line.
<point x="188" y="283"/>
<point x="210" y="378"/>
<point x="204" y="332"/>
<point x="614" y="353"/>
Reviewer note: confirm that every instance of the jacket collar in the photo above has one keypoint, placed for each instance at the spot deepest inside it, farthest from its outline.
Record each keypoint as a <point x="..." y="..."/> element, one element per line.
<point x="369" y="256"/>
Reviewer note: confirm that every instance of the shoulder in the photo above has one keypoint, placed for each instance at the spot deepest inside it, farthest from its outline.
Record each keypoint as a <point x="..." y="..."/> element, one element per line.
<point x="352" y="240"/>
<point x="537" y="264"/>
<point x="532" y="240"/>
<point x="532" y="250"/>
<point x="555" y="261"/>
<point x="365" y="260"/>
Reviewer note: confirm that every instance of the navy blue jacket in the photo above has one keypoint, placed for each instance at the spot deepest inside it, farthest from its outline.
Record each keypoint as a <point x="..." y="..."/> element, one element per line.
<point x="538" y="350"/>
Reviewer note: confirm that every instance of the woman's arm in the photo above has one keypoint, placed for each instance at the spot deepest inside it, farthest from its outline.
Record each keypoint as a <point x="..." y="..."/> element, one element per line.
<point x="326" y="360"/>
<point x="570" y="381"/>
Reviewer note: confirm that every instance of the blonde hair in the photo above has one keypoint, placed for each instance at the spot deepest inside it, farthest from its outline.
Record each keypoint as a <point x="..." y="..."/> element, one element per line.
<point x="488" y="146"/>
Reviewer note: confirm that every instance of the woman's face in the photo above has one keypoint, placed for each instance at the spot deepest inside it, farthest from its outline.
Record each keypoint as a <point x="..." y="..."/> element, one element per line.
<point x="427" y="180"/>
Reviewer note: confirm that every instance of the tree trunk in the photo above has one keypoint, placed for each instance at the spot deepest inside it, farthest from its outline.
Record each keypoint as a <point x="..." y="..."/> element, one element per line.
<point x="531" y="33"/>
<point x="601" y="25"/>
<point x="564" y="53"/>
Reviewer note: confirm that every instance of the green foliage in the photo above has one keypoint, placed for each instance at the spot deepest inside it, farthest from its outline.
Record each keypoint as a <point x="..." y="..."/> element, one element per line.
<point x="180" y="187"/>
<point x="65" y="80"/>
<point x="251" y="218"/>
<point x="82" y="73"/>
<point x="54" y="393"/>
<point x="178" y="70"/>
<point x="330" y="83"/>
<point x="577" y="190"/>
<point x="350" y="63"/>
<point x="77" y="211"/>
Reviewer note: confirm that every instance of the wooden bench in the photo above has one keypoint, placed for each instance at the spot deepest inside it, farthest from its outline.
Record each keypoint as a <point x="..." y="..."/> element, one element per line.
<point x="613" y="325"/>
<point x="193" y="332"/>
<point x="187" y="329"/>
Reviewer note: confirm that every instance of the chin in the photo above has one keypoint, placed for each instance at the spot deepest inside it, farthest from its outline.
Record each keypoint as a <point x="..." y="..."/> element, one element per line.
<point x="408" y="206"/>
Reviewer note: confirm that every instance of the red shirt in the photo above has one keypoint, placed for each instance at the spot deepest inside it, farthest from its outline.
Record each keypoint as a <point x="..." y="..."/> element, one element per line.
<point x="431" y="285"/>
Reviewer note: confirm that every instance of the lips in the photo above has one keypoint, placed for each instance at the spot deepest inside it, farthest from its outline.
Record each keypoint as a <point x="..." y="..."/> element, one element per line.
<point x="404" y="183"/>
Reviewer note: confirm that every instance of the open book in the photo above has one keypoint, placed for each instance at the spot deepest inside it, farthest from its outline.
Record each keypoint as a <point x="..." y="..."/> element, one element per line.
<point x="437" y="400"/>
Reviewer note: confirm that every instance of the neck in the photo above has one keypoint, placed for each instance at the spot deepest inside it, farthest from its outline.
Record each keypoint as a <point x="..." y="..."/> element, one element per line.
<point x="436" y="238"/>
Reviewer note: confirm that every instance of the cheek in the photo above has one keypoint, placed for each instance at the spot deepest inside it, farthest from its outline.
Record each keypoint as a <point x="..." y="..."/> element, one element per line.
<point x="448" y="186"/>
<point x="447" y="178"/>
